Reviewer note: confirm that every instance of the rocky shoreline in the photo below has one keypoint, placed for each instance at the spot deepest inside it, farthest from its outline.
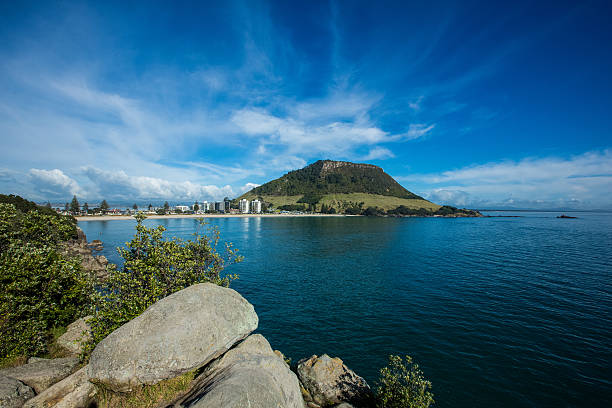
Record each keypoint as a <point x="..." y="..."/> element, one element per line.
<point x="200" y="338"/>
<point x="194" y="348"/>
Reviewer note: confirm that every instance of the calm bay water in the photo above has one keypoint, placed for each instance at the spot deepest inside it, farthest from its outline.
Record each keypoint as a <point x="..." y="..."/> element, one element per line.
<point x="498" y="312"/>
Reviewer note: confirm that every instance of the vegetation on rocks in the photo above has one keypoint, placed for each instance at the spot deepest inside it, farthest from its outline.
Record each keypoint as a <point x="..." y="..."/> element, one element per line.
<point x="149" y="396"/>
<point x="153" y="268"/>
<point x="40" y="289"/>
<point x="402" y="385"/>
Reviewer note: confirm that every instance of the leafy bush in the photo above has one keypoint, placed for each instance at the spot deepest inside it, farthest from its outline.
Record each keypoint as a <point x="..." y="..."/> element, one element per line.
<point x="310" y="198"/>
<point x="39" y="288"/>
<point x="403" y="210"/>
<point x="374" y="212"/>
<point x="154" y="268"/>
<point x="327" y="209"/>
<point x="292" y="207"/>
<point x="446" y="210"/>
<point x="402" y="385"/>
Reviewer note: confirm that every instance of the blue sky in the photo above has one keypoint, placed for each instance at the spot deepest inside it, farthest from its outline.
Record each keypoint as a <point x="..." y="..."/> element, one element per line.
<point x="467" y="103"/>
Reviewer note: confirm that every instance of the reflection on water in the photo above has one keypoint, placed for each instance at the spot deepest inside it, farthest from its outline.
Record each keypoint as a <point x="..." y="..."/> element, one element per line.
<point x="500" y="312"/>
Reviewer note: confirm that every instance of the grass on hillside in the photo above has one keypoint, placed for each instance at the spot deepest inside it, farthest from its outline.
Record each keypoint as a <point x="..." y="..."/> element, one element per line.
<point x="336" y="200"/>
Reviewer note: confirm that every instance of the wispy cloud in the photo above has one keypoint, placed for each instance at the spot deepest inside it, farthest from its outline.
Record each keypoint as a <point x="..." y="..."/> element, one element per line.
<point x="584" y="181"/>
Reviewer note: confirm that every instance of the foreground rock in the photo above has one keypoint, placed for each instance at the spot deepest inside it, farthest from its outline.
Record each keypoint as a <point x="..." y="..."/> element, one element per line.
<point x="178" y="334"/>
<point x="250" y="375"/>
<point x="13" y="393"/>
<point x="76" y="333"/>
<point x="329" y="382"/>
<point x="41" y="374"/>
<point x="74" y="391"/>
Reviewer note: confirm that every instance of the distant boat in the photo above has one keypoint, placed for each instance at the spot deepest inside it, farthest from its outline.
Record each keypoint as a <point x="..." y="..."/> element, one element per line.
<point x="565" y="216"/>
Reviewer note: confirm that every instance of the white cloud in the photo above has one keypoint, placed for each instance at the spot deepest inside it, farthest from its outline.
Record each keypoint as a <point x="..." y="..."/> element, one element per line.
<point x="416" y="131"/>
<point x="54" y="183"/>
<point x="582" y="181"/>
<point x="315" y="136"/>
<point x="120" y="186"/>
<point x="378" y="153"/>
<point x="416" y="103"/>
<point x="248" y="187"/>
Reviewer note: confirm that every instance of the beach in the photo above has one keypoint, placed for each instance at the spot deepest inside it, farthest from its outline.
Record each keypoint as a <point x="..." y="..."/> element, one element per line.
<point x="130" y="217"/>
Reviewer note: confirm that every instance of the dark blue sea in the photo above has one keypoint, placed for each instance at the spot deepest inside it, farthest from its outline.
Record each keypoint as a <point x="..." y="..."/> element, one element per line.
<point x="498" y="312"/>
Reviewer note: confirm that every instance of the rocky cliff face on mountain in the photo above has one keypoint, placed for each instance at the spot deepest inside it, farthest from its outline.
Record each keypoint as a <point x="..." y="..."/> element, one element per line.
<point x="193" y="348"/>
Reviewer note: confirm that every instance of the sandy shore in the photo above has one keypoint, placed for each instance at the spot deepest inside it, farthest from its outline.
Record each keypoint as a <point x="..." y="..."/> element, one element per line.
<point x="129" y="217"/>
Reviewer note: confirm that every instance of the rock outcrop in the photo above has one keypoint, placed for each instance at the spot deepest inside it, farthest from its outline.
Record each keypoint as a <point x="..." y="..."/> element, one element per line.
<point x="13" y="393"/>
<point x="41" y="374"/>
<point x="202" y="329"/>
<point x="74" y="391"/>
<point x="178" y="334"/>
<point x="77" y="333"/>
<point x="79" y="247"/>
<point x="249" y="375"/>
<point x="328" y="381"/>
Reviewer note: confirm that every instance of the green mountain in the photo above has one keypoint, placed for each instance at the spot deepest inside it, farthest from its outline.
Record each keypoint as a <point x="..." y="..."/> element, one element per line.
<point x="332" y="177"/>
<point x="338" y="184"/>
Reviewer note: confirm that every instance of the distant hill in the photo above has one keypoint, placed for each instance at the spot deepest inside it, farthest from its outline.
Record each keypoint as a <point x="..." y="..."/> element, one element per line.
<point x="340" y="185"/>
<point x="333" y="177"/>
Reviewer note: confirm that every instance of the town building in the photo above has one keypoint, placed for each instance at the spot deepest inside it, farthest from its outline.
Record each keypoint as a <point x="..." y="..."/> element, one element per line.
<point x="256" y="207"/>
<point x="244" y="206"/>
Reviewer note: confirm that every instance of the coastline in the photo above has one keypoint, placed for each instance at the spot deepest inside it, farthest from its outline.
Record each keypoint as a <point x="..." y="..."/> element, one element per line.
<point x="130" y="217"/>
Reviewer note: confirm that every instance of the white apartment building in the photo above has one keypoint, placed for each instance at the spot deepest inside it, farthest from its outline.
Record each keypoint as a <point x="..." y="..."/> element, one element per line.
<point x="182" y="207"/>
<point x="256" y="207"/>
<point x="244" y="206"/>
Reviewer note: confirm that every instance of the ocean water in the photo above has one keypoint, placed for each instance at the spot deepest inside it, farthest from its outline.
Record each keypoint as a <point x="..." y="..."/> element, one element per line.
<point x="498" y="312"/>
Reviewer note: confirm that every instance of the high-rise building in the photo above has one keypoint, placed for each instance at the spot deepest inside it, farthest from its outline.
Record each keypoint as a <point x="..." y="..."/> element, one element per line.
<point x="244" y="206"/>
<point x="256" y="206"/>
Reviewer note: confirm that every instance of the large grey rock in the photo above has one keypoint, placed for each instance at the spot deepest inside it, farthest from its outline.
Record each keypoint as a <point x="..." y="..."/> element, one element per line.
<point x="330" y="382"/>
<point x="249" y="375"/>
<point x="74" y="391"/>
<point x="77" y="332"/>
<point x="41" y="374"/>
<point x="180" y="333"/>
<point x="13" y="393"/>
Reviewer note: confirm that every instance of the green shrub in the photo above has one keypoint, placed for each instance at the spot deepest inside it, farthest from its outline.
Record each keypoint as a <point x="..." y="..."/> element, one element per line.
<point x="154" y="268"/>
<point x="39" y="288"/>
<point x="403" y="210"/>
<point x="310" y="198"/>
<point x="292" y="207"/>
<point x="402" y="385"/>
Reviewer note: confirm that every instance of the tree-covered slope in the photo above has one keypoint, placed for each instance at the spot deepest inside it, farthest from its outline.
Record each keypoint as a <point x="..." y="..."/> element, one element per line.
<point x="334" y="177"/>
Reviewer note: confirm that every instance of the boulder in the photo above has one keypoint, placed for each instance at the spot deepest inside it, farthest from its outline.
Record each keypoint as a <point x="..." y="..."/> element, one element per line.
<point x="13" y="393"/>
<point x="330" y="382"/>
<point x="41" y="374"/>
<point x="74" y="391"/>
<point x="249" y="375"/>
<point x="178" y="334"/>
<point x="77" y="332"/>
